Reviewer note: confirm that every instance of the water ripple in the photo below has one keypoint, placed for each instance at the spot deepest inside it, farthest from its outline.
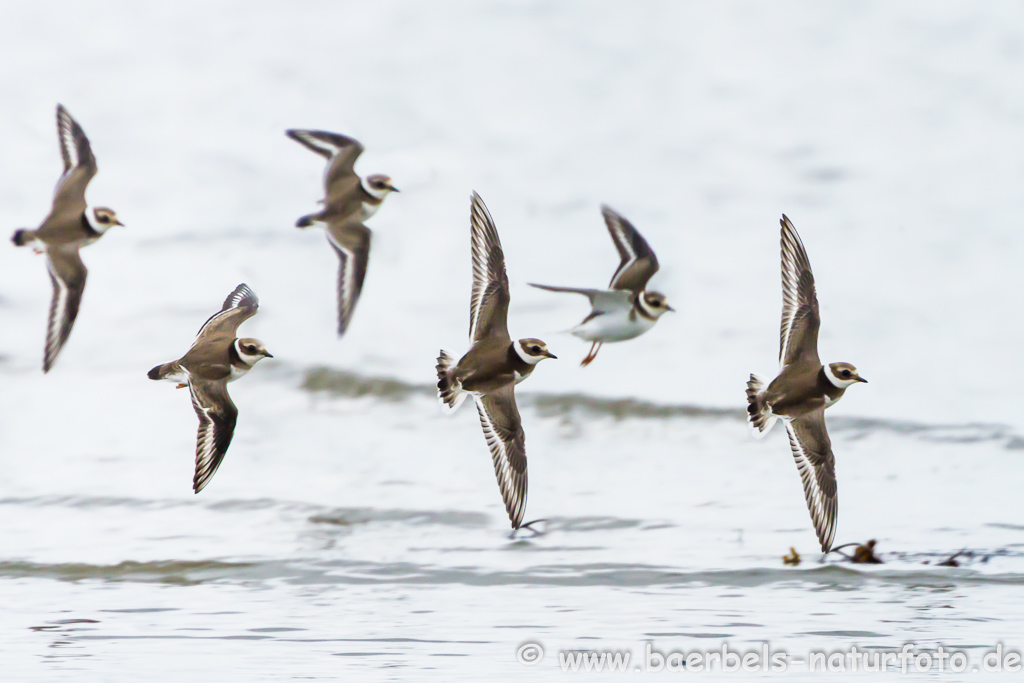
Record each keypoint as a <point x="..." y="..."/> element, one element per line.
<point x="346" y="384"/>
<point x="341" y="572"/>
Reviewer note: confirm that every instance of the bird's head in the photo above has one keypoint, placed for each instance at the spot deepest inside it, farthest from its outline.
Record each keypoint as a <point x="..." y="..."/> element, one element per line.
<point x="843" y="375"/>
<point x="655" y="304"/>
<point x="251" y="351"/>
<point x="533" y="351"/>
<point x="102" y="219"/>
<point x="379" y="185"/>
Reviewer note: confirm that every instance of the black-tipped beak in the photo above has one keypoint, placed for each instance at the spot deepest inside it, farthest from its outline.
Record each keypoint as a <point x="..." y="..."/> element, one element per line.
<point x="669" y="308"/>
<point x="861" y="379"/>
<point x="550" y="355"/>
<point x="393" y="188"/>
<point x="117" y="222"/>
<point x="267" y="354"/>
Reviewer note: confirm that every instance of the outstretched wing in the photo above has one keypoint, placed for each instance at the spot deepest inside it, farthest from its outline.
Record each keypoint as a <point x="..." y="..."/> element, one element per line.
<point x="351" y="241"/>
<point x="79" y="166"/>
<point x="341" y="152"/>
<point x="798" y="338"/>
<point x="503" y="430"/>
<point x="217" y="416"/>
<point x="638" y="262"/>
<point x="488" y="305"/>
<point x="812" y="451"/>
<point x="67" y="275"/>
<point x="240" y="305"/>
<point x="601" y="300"/>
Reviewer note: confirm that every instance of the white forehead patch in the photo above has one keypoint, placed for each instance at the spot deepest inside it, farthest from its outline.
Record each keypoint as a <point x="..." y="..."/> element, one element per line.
<point x="837" y="382"/>
<point x="527" y="358"/>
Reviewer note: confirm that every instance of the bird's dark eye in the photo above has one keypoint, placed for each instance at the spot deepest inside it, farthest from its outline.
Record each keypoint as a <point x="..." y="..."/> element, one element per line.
<point x="846" y="373"/>
<point x="103" y="218"/>
<point x="250" y="348"/>
<point x="535" y="349"/>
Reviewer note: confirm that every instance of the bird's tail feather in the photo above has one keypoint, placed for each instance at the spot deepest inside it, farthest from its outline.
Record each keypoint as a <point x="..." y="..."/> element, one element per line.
<point x="449" y="390"/>
<point x="164" y="371"/>
<point x="22" y="237"/>
<point x="308" y="220"/>
<point x="759" y="413"/>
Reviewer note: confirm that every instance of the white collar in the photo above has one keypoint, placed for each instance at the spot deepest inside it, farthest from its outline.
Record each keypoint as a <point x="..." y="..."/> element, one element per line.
<point x="90" y="220"/>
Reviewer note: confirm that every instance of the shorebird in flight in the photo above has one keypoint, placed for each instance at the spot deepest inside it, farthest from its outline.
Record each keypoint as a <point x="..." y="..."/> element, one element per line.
<point x="493" y="365"/>
<point x="803" y="389"/>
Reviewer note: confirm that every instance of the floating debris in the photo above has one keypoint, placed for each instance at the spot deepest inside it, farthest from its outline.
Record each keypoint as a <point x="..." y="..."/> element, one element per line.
<point x="863" y="554"/>
<point x="951" y="560"/>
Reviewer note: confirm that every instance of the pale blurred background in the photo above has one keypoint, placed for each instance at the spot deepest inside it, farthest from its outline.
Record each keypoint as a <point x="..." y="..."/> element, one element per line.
<point x="890" y="133"/>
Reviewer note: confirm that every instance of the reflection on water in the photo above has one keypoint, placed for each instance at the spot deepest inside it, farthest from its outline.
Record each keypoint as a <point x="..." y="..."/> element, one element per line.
<point x="345" y="384"/>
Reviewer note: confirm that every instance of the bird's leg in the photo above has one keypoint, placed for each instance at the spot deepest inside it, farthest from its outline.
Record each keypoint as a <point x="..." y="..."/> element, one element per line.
<point x="181" y="386"/>
<point x="594" y="348"/>
<point x="589" y="357"/>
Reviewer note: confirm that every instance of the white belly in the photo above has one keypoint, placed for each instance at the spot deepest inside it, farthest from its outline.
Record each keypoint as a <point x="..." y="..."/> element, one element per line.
<point x="237" y="372"/>
<point x="613" y="327"/>
<point x="369" y="209"/>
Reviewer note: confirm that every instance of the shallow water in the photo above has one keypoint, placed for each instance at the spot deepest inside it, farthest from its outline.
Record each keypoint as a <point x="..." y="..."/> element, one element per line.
<point x="356" y="533"/>
<point x="388" y="547"/>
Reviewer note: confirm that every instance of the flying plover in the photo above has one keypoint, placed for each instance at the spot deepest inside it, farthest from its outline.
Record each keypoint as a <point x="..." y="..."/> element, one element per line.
<point x="217" y="357"/>
<point x="348" y="202"/>
<point x="493" y="365"/>
<point x="626" y="309"/>
<point x="804" y="388"/>
<point x="69" y="226"/>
